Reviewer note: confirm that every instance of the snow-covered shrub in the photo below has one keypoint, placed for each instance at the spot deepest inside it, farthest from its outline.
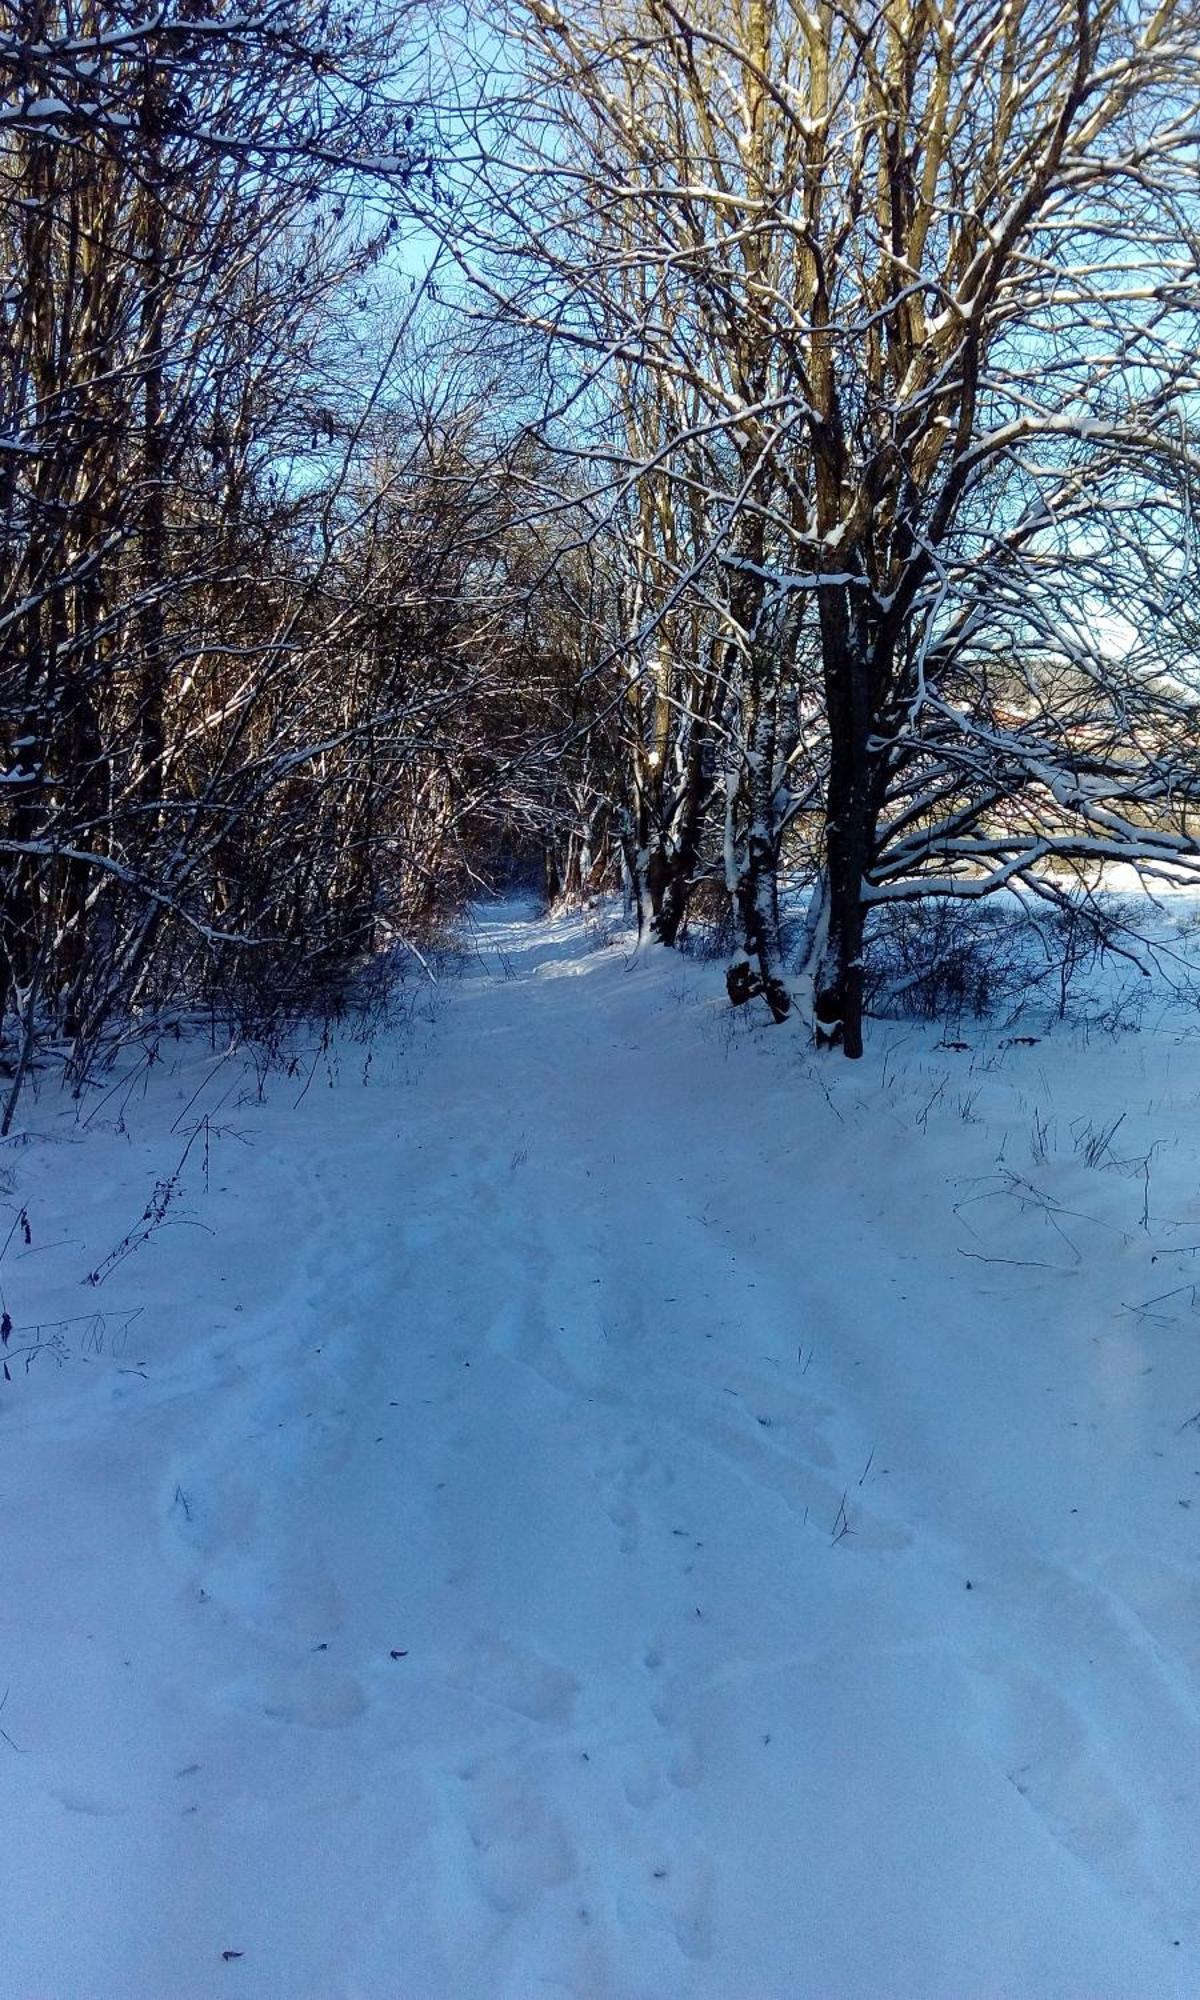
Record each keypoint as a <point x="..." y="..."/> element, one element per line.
<point x="708" y="932"/>
<point x="939" y="959"/>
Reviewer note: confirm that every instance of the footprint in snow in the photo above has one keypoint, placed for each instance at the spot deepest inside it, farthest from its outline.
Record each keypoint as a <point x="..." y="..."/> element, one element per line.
<point x="313" y="1696"/>
<point x="641" y="1780"/>
<point x="675" y="1895"/>
<point x="680" y="1759"/>
<point x="521" y="1849"/>
<point x="630" y="1469"/>
<point x="685" y="1766"/>
<point x="516" y="1678"/>
<point x="1165" y="1598"/>
<point x="89" y="1805"/>
<point x="1042" y="1744"/>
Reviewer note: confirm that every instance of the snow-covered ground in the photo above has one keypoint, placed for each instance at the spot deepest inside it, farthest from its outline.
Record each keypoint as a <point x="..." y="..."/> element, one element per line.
<point x="600" y="1502"/>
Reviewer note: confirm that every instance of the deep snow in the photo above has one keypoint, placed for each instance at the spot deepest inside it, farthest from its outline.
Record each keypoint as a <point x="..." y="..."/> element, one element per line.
<point x="597" y="1501"/>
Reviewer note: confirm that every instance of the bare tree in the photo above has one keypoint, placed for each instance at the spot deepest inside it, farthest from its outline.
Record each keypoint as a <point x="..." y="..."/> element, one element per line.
<point x="918" y="286"/>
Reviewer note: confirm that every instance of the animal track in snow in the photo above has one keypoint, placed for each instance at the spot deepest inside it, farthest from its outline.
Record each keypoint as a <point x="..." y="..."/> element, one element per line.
<point x="679" y="1760"/>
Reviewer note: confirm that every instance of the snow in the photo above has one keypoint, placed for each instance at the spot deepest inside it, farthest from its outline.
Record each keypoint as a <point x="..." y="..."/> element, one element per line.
<point x="596" y="1500"/>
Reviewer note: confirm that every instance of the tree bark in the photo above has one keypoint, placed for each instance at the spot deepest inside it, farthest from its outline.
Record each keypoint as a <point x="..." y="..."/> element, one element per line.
<point x="849" y="829"/>
<point x="755" y="969"/>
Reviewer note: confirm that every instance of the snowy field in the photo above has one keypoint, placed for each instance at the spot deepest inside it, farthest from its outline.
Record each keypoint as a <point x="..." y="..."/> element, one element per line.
<point x="596" y="1501"/>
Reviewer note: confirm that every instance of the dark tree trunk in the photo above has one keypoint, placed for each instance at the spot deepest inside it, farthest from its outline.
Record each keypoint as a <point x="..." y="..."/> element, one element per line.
<point x="551" y="877"/>
<point x="681" y="868"/>
<point x="850" y="823"/>
<point x="153" y="675"/>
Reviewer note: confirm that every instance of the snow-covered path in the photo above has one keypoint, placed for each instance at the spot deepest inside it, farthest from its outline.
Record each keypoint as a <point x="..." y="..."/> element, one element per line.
<point x="591" y="1520"/>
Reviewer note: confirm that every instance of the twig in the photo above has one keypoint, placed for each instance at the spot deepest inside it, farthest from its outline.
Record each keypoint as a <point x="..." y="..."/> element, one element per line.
<point x="4" y="1733"/>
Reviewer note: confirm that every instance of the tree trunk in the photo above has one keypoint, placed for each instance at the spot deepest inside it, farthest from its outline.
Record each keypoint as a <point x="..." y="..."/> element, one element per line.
<point x="755" y="967"/>
<point x="850" y="825"/>
<point x="681" y="864"/>
<point x="153" y="670"/>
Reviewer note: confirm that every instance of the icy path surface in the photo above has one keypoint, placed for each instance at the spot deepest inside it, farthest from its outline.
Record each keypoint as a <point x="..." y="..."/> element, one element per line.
<point x="604" y="1507"/>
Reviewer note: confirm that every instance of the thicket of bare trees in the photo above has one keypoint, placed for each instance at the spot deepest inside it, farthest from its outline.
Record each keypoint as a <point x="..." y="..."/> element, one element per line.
<point x="787" y="470"/>
<point x="250" y="634"/>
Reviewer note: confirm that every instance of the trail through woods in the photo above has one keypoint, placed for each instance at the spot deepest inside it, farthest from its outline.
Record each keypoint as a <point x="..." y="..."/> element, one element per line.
<point x="597" y="1504"/>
